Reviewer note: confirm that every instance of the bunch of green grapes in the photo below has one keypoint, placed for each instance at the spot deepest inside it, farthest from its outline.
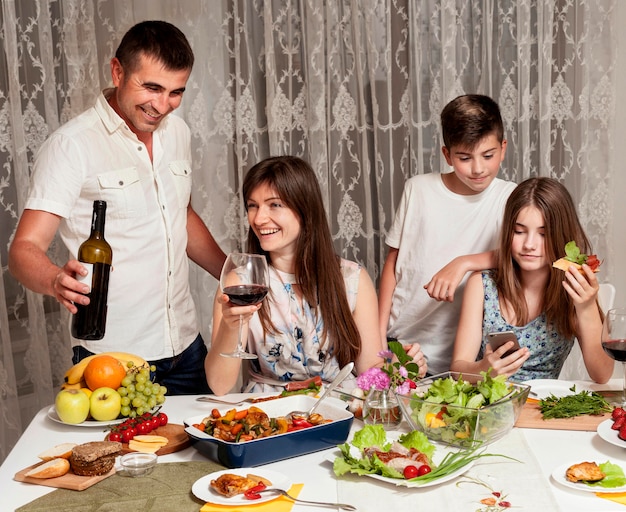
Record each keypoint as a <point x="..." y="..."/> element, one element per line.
<point x="139" y="394"/>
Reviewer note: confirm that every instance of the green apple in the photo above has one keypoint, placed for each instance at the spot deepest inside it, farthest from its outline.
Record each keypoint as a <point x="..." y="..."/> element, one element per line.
<point x="72" y="405"/>
<point x="105" y="404"/>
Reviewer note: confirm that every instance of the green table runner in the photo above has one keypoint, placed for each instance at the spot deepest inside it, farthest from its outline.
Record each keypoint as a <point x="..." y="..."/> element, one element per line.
<point x="168" y="488"/>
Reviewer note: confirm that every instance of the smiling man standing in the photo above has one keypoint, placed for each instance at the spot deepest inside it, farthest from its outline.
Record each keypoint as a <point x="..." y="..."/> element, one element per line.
<point x="128" y="151"/>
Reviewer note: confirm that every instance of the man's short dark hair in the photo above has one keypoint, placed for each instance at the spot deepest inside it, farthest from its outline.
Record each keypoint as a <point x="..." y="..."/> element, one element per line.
<point x="156" y="39"/>
<point x="468" y="119"/>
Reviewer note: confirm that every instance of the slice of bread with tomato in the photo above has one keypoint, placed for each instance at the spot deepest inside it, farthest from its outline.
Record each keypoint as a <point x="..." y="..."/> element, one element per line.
<point x="573" y="257"/>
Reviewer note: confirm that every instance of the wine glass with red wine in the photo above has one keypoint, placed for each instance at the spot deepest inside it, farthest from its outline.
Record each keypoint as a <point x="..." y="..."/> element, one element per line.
<point x="614" y="340"/>
<point x="245" y="279"/>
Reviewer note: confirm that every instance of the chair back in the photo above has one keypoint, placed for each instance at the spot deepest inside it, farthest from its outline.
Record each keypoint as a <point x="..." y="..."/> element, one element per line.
<point x="574" y="367"/>
<point x="606" y="296"/>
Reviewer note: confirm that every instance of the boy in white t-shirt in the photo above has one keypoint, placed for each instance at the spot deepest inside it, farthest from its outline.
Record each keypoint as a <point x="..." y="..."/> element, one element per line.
<point x="445" y="218"/>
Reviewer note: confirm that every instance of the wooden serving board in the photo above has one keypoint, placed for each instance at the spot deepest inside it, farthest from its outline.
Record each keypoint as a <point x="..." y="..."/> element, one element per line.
<point x="68" y="481"/>
<point x="531" y="417"/>
<point x="178" y="439"/>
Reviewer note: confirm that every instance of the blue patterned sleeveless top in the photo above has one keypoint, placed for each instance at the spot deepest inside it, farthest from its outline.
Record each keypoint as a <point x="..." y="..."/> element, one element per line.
<point x="548" y="349"/>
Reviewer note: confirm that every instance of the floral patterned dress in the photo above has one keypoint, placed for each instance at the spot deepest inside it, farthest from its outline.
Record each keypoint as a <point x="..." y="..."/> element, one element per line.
<point x="297" y="352"/>
<point x="548" y="349"/>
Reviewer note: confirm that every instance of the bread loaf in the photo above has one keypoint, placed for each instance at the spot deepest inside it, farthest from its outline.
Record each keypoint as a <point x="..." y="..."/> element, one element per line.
<point x="94" y="458"/>
<point x="50" y="469"/>
<point x="59" y="451"/>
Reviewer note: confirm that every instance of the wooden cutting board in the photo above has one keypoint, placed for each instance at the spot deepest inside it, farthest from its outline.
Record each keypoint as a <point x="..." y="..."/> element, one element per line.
<point x="531" y="417"/>
<point x="178" y="439"/>
<point x="67" y="481"/>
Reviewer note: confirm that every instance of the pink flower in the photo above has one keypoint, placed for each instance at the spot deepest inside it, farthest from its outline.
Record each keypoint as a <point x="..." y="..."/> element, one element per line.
<point x="399" y="374"/>
<point x="374" y="377"/>
<point x="404" y="388"/>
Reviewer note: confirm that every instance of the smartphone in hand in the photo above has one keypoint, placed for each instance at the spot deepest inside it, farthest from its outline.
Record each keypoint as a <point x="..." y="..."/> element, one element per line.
<point x="497" y="339"/>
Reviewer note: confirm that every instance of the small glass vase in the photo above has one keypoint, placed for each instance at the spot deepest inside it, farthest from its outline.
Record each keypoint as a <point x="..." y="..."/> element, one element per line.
<point x="381" y="407"/>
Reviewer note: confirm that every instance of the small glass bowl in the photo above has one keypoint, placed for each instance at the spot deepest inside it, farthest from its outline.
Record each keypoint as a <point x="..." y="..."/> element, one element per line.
<point x="138" y="463"/>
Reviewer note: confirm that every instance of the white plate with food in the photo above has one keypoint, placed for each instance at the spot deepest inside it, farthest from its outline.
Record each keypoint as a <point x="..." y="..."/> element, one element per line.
<point x="558" y="475"/>
<point x="52" y="414"/>
<point x="202" y="487"/>
<point x="543" y="388"/>
<point x="605" y="432"/>
<point x="407" y="483"/>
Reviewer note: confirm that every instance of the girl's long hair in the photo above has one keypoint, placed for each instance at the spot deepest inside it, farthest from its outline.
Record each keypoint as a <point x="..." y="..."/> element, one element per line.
<point x="561" y="225"/>
<point x="317" y="267"/>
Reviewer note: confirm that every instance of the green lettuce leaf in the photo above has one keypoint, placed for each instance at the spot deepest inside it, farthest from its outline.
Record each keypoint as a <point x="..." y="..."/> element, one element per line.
<point x="573" y="254"/>
<point x="614" y="476"/>
<point x="371" y="435"/>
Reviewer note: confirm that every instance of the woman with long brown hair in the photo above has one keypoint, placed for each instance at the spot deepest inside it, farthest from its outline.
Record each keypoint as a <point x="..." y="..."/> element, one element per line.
<point x="545" y="307"/>
<point x="321" y="311"/>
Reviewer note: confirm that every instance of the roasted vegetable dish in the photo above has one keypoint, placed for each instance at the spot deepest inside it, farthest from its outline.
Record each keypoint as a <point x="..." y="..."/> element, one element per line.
<point x="253" y="423"/>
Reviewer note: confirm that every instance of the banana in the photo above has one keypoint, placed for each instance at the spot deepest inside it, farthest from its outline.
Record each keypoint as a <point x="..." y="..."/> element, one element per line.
<point x="76" y="385"/>
<point x="125" y="357"/>
<point x="75" y="374"/>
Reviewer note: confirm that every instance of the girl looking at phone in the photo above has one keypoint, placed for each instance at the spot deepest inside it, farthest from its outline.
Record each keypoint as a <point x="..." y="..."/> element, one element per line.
<point x="545" y="307"/>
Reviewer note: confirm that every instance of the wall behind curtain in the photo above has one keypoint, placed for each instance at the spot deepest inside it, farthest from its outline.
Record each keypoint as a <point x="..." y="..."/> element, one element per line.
<point x="355" y="87"/>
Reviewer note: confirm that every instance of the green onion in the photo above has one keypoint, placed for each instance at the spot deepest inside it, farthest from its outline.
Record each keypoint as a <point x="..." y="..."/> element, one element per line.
<point x="453" y="461"/>
<point x="585" y="402"/>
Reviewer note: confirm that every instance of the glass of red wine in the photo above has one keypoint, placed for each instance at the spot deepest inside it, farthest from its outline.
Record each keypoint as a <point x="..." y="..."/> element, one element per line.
<point x="245" y="279"/>
<point x="614" y="340"/>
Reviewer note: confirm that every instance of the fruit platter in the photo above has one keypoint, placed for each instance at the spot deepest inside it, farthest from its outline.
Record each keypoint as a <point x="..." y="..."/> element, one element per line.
<point x="106" y="388"/>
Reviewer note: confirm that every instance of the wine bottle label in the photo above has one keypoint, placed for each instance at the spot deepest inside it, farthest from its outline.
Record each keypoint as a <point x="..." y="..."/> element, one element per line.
<point x="87" y="279"/>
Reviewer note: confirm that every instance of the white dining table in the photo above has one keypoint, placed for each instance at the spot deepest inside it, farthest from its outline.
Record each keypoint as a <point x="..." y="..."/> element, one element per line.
<point x="547" y="450"/>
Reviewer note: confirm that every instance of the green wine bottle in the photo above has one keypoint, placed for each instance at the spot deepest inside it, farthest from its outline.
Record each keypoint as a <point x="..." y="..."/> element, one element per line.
<point x="96" y="255"/>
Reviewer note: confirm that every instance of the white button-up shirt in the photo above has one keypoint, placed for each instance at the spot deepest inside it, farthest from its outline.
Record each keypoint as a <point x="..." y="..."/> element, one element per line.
<point x="95" y="156"/>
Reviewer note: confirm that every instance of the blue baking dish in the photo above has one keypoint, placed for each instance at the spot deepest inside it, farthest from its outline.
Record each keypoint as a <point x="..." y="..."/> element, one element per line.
<point x="279" y="447"/>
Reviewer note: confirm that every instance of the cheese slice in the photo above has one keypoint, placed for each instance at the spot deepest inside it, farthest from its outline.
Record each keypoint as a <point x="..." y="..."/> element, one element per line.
<point x="140" y="446"/>
<point x="151" y="438"/>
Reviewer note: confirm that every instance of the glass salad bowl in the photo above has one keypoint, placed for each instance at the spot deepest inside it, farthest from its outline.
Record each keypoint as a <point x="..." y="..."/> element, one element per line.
<point x="464" y="409"/>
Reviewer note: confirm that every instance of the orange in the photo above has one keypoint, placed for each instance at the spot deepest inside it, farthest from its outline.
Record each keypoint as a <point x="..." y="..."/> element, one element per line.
<point x="104" y="372"/>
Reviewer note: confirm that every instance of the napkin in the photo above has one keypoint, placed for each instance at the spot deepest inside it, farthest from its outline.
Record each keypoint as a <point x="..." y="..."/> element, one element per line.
<point x="167" y="488"/>
<point x="618" y="497"/>
<point x="280" y="504"/>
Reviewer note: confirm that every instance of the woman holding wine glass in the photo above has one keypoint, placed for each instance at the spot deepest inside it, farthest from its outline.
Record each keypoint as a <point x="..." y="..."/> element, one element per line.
<point x="321" y="311"/>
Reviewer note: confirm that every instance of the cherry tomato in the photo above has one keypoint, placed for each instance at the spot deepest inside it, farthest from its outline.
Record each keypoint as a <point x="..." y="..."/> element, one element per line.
<point x="155" y="422"/>
<point x="143" y="428"/>
<point x="423" y="469"/>
<point x="410" y="472"/>
<point x="162" y="419"/>
<point x="115" y="437"/>
<point x="128" y="434"/>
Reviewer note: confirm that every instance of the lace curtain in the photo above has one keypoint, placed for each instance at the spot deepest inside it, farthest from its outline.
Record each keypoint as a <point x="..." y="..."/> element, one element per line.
<point x="355" y="87"/>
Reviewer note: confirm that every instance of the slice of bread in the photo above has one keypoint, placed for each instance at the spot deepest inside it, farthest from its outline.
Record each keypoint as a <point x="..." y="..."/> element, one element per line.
<point x="50" y="469"/>
<point x="95" y="457"/>
<point x="62" y="451"/>
<point x="564" y="265"/>
<point x="89" y="452"/>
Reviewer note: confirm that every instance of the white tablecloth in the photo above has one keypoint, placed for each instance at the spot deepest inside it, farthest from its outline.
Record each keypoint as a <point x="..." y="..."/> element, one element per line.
<point x="527" y="486"/>
<point x="508" y="478"/>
